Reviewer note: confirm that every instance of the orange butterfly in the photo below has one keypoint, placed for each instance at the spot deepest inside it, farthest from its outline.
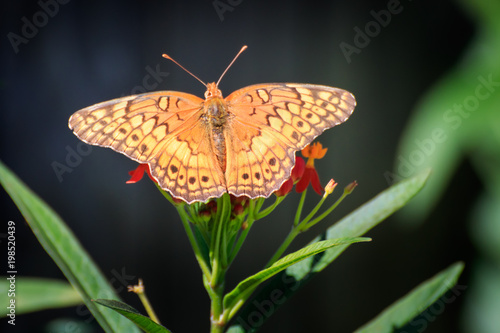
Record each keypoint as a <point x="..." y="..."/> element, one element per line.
<point x="199" y="149"/>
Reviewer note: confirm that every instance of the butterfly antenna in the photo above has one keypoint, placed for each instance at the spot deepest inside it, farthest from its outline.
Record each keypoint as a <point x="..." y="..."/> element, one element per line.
<point x="166" y="56"/>
<point x="242" y="49"/>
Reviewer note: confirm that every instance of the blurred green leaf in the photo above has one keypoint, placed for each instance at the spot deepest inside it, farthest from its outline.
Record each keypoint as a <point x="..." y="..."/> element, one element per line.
<point x="286" y="283"/>
<point x="480" y="311"/>
<point x="67" y="325"/>
<point x="457" y="116"/>
<point x="66" y="251"/>
<point x="414" y="303"/>
<point x="145" y="323"/>
<point x="34" y="294"/>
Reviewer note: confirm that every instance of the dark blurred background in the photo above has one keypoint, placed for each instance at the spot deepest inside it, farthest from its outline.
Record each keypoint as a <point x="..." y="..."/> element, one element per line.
<point x="88" y="52"/>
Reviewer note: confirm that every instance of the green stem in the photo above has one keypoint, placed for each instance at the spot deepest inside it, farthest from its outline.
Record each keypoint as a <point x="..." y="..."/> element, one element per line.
<point x="268" y="210"/>
<point x="244" y="233"/>
<point x="326" y="212"/>
<point x="217" y="322"/>
<point x="217" y="245"/>
<point x="148" y="307"/>
<point x="219" y="260"/>
<point x="291" y="235"/>
<point x="288" y="240"/>
<point x="303" y="224"/>
<point x="299" y="208"/>
<point x="194" y="244"/>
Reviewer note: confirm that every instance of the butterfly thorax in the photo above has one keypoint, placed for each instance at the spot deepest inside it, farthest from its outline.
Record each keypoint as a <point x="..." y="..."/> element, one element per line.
<point x="216" y="116"/>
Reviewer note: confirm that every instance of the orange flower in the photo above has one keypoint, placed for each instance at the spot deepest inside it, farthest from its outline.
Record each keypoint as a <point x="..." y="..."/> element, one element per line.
<point x="312" y="152"/>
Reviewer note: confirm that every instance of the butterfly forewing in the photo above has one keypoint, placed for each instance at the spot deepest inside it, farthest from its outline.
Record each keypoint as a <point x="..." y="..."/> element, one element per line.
<point x="161" y="129"/>
<point x="270" y="123"/>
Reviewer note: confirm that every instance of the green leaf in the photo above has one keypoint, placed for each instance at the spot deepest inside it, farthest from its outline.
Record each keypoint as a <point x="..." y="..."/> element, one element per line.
<point x="34" y="294"/>
<point x="444" y="128"/>
<point x="145" y="323"/>
<point x="370" y="214"/>
<point x="414" y="303"/>
<point x="66" y="251"/>
<point x="247" y="286"/>
<point x="286" y="283"/>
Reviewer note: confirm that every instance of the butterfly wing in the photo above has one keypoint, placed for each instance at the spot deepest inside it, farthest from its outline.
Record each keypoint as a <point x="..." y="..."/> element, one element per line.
<point x="270" y="123"/>
<point x="258" y="161"/>
<point x="163" y="130"/>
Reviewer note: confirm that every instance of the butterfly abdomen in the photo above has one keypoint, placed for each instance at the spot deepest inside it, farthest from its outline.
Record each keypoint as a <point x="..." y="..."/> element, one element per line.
<point x="216" y="119"/>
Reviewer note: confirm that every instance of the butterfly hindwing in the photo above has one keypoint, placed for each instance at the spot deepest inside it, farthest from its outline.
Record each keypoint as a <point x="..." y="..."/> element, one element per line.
<point x="186" y="165"/>
<point x="257" y="161"/>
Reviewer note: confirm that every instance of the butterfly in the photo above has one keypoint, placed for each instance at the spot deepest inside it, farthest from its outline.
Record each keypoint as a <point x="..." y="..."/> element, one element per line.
<point x="199" y="149"/>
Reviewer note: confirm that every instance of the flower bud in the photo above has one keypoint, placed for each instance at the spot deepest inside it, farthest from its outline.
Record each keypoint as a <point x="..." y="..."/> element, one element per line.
<point x="349" y="188"/>
<point x="238" y="209"/>
<point x="330" y="187"/>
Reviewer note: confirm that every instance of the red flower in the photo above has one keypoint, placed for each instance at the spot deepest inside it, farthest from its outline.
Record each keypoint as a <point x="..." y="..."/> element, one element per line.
<point x="285" y="188"/>
<point x="312" y="152"/>
<point x="239" y="204"/>
<point x="297" y="172"/>
<point x="138" y="173"/>
<point x="238" y="209"/>
<point x="298" y="169"/>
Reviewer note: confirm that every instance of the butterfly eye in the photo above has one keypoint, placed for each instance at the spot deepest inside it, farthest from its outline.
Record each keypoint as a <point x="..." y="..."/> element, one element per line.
<point x="212" y="91"/>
